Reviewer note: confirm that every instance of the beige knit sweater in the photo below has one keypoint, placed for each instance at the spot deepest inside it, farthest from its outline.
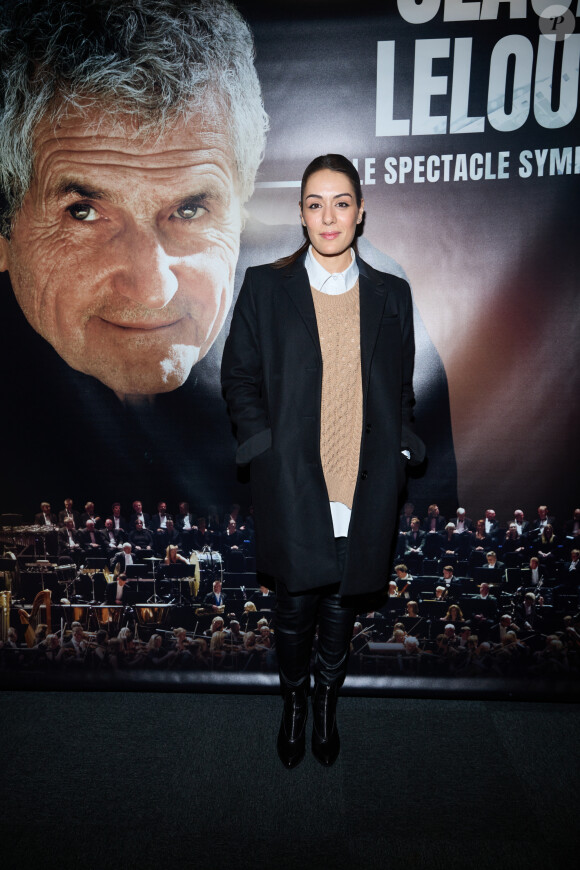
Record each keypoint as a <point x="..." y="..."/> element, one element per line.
<point x="338" y="319"/>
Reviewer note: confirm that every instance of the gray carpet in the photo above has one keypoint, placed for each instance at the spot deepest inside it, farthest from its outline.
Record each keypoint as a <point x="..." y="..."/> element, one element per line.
<point x="149" y="780"/>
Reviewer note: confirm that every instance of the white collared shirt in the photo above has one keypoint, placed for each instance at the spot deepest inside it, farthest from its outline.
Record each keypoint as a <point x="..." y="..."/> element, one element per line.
<point x="331" y="283"/>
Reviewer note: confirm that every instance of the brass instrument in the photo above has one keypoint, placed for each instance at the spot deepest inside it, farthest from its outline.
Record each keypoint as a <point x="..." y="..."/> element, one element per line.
<point x="9" y="569"/>
<point x="5" y="616"/>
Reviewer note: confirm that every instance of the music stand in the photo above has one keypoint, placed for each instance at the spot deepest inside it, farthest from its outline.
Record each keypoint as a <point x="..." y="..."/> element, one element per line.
<point x="134" y="571"/>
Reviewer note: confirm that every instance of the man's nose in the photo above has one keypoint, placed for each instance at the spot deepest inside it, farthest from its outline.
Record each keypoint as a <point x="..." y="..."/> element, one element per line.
<point x="145" y="274"/>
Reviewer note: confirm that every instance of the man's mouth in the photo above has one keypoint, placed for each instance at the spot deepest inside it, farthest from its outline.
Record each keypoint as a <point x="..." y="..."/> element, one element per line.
<point x="142" y="325"/>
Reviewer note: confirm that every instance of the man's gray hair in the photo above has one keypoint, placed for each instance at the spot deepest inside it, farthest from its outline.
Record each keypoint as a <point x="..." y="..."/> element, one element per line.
<point x="153" y="60"/>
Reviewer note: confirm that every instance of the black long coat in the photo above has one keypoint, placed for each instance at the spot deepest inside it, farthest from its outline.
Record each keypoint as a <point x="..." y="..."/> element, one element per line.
<point x="272" y="382"/>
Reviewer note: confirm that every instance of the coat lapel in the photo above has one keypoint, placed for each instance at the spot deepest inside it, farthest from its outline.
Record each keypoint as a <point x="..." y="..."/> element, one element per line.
<point x="373" y="294"/>
<point x="297" y="286"/>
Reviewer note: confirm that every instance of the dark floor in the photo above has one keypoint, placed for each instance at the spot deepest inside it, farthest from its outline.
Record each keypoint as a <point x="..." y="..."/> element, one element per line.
<point x="138" y="780"/>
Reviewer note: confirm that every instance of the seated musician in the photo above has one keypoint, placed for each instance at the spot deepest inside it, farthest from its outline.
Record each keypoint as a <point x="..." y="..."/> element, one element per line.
<point x="359" y="639"/>
<point x="189" y="650"/>
<point x="481" y="540"/>
<point x="392" y="591"/>
<point x="449" y="542"/>
<point x="526" y="612"/>
<point x="202" y="537"/>
<point x="485" y="593"/>
<point x="465" y="634"/>
<point x="454" y="615"/>
<point x="115" y="592"/>
<point x="546" y="547"/>
<point x="448" y="577"/>
<point x="90" y="514"/>
<point x="414" y="538"/>
<point x="493" y="563"/>
<point x="120" y="524"/>
<point x="50" y="651"/>
<point x="68" y="540"/>
<point x="535" y="576"/>
<point x="114" y="538"/>
<point x="235" y="635"/>
<point x="172" y="556"/>
<point x="450" y="633"/>
<point x="156" y="656"/>
<point x="250" y="641"/>
<point x="406" y="517"/>
<point x="404" y="580"/>
<point x="217" y="624"/>
<point x="232" y="538"/>
<point x="412" y="608"/>
<point x="167" y="536"/>
<point x="513" y="542"/>
<point x="265" y="636"/>
<point x="185" y="523"/>
<point x="399" y="634"/>
<point x="412" y="647"/>
<point x="264" y="599"/>
<point x="46" y="516"/>
<point x="69" y="513"/>
<point x="216" y="599"/>
<point x="141" y="538"/>
<point x="123" y="558"/>
<point x="499" y="631"/>
<point x="483" y="619"/>
<point x="76" y="648"/>
<point x="441" y="593"/>
<point x="91" y="539"/>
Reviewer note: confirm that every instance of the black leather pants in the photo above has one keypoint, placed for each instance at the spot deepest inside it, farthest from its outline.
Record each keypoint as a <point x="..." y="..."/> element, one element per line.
<point x="296" y="619"/>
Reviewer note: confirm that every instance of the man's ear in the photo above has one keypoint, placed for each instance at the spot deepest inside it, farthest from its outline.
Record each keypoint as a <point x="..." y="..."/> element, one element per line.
<point x="4" y="252"/>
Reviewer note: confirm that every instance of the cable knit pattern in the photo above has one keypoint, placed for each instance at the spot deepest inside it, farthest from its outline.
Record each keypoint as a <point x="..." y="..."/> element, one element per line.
<point x="338" y="319"/>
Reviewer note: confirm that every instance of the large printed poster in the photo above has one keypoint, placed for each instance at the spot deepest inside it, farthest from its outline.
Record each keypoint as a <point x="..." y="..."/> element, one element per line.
<point x="462" y="119"/>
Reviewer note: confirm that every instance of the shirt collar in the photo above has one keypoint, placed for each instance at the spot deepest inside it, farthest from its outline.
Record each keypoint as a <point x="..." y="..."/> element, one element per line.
<point x="332" y="283"/>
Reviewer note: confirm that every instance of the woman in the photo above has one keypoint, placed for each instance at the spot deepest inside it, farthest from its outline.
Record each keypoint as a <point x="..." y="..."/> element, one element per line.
<point x="481" y="540"/>
<point x="173" y="556"/>
<point x="325" y="451"/>
<point x="412" y="609"/>
<point x="454" y="615"/>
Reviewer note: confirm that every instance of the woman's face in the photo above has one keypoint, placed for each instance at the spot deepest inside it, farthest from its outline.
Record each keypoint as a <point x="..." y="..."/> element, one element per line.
<point x="330" y="213"/>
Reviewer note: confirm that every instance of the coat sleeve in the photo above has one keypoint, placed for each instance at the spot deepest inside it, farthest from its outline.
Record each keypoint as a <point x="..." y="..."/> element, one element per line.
<point x="242" y="377"/>
<point x="409" y="440"/>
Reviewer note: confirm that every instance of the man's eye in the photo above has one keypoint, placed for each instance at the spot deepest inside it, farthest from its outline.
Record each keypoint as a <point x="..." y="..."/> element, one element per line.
<point x="80" y="211"/>
<point x="189" y="212"/>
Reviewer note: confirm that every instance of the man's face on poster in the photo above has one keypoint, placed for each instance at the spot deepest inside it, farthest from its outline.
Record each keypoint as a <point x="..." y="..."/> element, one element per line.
<point x="123" y="253"/>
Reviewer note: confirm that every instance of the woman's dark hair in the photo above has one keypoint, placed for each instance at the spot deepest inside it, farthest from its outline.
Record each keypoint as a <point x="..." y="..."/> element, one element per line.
<point x="336" y="163"/>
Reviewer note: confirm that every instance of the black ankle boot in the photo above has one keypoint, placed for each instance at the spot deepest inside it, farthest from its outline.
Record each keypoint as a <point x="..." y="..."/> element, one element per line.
<point x="325" y="739"/>
<point x="292" y="734"/>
